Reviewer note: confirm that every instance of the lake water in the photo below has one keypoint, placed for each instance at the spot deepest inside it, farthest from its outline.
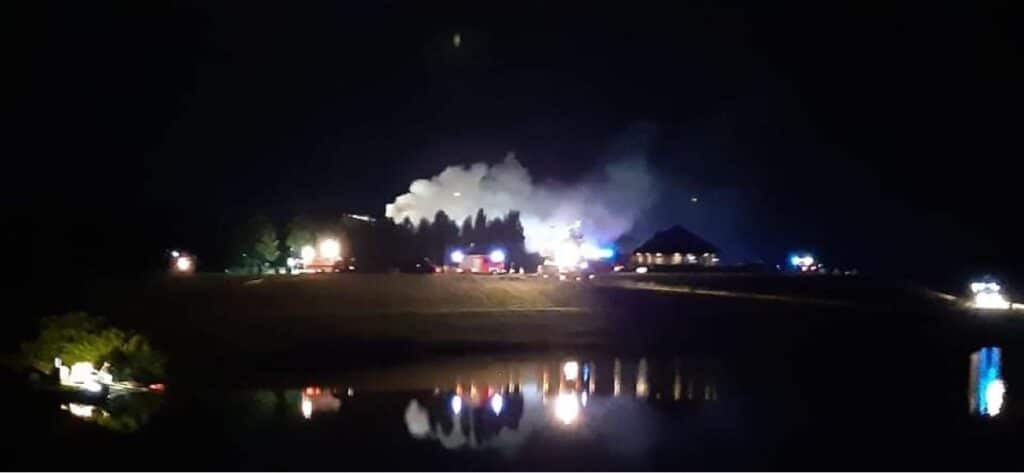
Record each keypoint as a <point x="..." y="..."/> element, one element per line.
<point x="891" y="406"/>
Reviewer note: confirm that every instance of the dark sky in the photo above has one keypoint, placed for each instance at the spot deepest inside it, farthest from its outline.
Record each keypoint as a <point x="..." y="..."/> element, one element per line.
<point x="866" y="133"/>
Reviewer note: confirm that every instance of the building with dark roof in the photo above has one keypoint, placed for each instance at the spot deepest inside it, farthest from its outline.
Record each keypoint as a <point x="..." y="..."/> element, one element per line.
<point x="675" y="247"/>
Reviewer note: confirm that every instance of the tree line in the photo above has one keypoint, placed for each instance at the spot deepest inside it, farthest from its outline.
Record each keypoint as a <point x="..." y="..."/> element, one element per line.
<point x="382" y="244"/>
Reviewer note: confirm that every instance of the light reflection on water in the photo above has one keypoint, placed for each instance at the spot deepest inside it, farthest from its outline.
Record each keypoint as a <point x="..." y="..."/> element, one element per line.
<point x="473" y="404"/>
<point x="986" y="390"/>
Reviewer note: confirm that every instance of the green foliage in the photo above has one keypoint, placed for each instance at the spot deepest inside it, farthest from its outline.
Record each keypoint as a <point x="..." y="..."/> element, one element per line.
<point x="265" y="241"/>
<point x="301" y="232"/>
<point x="76" y="337"/>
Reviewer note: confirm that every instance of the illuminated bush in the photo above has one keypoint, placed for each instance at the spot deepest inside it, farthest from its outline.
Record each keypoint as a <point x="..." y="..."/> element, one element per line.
<point x="78" y="337"/>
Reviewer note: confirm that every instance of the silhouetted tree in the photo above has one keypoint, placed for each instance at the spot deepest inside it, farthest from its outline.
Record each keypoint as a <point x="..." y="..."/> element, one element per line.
<point x="466" y="233"/>
<point x="301" y="232"/>
<point x="444" y="236"/>
<point x="256" y="244"/>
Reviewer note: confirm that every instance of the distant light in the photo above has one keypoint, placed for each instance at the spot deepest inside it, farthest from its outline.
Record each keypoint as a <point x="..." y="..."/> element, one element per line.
<point x="307" y="407"/>
<point x="291" y="262"/>
<point x="801" y="261"/>
<point x="497" y="403"/>
<point x="456" y="194"/>
<point x="641" y="269"/>
<point x="584" y="397"/>
<point x="457" y="256"/>
<point x="567" y="255"/>
<point x="497" y="256"/>
<point x="591" y="276"/>
<point x="81" y="410"/>
<point x="456" y="404"/>
<point x="571" y="370"/>
<point x="457" y="40"/>
<point x="567" y="409"/>
<point x="987" y="296"/>
<point x="330" y="249"/>
<point x="693" y="199"/>
<point x="583" y="265"/>
<point x="561" y="277"/>
<point x="175" y="254"/>
<point x="990" y="300"/>
<point x="994" y="396"/>
<point x="350" y="392"/>
<point x="183" y="264"/>
<point x="308" y="253"/>
<point x="977" y="287"/>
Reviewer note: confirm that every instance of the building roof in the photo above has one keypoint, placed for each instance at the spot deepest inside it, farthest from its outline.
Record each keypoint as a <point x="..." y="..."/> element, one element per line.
<point x="676" y="240"/>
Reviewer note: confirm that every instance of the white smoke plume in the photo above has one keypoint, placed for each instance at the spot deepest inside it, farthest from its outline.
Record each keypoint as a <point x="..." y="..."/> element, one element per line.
<point x="606" y="203"/>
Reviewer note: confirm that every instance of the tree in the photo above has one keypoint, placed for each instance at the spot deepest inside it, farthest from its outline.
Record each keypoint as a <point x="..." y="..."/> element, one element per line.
<point x="265" y="244"/>
<point x="481" y="237"/>
<point x="256" y="243"/>
<point x="444" y="236"/>
<point x="513" y="238"/>
<point x="79" y="337"/>
<point x="300" y="233"/>
<point x="466" y="234"/>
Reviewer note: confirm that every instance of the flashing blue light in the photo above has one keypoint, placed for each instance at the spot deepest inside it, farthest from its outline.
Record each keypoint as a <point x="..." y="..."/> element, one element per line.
<point x="497" y="256"/>
<point x="606" y="253"/>
<point x="989" y="371"/>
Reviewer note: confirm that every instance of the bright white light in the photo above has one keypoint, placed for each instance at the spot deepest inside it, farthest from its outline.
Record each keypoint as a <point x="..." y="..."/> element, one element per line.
<point x="571" y="370"/>
<point x="583" y="265"/>
<point x="307" y="407"/>
<point x="81" y="372"/>
<point x="291" y="262"/>
<point x="990" y="300"/>
<point x="605" y="253"/>
<point x="330" y="249"/>
<point x="583" y="398"/>
<point x="175" y="254"/>
<point x="977" y="287"/>
<point x="497" y="403"/>
<point x="498" y="256"/>
<point x="93" y="386"/>
<point x="994" y="396"/>
<point x="456" y="404"/>
<point x="456" y="194"/>
<point x="591" y="276"/>
<point x="81" y="410"/>
<point x="457" y="256"/>
<point x="567" y="409"/>
<point x="641" y="269"/>
<point x="308" y="253"/>
<point x="801" y="261"/>
<point x="183" y="263"/>
<point x="567" y="255"/>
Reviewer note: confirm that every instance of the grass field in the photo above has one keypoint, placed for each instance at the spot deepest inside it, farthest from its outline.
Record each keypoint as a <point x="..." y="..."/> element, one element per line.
<point x="214" y="325"/>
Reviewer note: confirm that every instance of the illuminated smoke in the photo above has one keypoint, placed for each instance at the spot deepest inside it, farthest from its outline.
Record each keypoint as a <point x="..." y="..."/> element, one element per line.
<point x="606" y="203"/>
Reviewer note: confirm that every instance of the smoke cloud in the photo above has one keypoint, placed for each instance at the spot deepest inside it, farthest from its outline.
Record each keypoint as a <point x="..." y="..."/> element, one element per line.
<point x="605" y="203"/>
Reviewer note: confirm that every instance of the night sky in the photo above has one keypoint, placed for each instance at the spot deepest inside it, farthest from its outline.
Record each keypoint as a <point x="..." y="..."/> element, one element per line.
<point x="879" y="137"/>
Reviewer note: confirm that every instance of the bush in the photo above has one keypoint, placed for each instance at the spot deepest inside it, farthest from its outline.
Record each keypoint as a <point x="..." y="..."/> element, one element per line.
<point x="77" y="336"/>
